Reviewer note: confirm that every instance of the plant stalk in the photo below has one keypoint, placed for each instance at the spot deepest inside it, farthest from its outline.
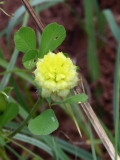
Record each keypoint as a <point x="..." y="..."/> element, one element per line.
<point x="32" y="13"/>
<point x="27" y="119"/>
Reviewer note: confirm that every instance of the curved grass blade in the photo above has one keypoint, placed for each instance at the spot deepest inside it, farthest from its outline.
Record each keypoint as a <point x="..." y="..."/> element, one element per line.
<point x="14" y="152"/>
<point x="34" y="142"/>
<point x="112" y="24"/>
<point x="24" y="148"/>
<point x="10" y="66"/>
<point x="92" y="142"/>
<point x="66" y="146"/>
<point x="17" y="71"/>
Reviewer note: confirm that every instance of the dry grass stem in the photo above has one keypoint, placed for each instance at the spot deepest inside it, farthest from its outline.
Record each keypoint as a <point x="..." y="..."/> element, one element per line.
<point x="97" y="126"/>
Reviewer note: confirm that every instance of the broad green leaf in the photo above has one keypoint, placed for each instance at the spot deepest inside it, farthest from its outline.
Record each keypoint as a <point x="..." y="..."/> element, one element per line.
<point x="3" y="102"/>
<point x="9" y="114"/>
<point x="44" y="124"/>
<point x="79" y="98"/>
<point x="25" y="39"/>
<point x="29" y="59"/>
<point x="52" y="36"/>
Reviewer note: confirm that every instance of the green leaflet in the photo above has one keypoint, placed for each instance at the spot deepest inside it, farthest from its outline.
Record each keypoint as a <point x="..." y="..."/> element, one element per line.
<point x="29" y="59"/>
<point x="9" y="113"/>
<point x="52" y="36"/>
<point x="3" y="102"/>
<point x="79" y="98"/>
<point x="44" y="124"/>
<point x="25" y="39"/>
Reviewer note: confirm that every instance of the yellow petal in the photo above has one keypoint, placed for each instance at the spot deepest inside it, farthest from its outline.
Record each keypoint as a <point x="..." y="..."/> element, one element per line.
<point x="55" y="74"/>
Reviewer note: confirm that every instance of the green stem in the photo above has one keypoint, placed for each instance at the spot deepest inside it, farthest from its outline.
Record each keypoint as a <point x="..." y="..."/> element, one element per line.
<point x="92" y="141"/>
<point x="13" y="71"/>
<point x="27" y="119"/>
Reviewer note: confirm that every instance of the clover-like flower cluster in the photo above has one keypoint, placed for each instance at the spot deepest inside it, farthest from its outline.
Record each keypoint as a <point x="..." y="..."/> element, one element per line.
<point x="56" y="75"/>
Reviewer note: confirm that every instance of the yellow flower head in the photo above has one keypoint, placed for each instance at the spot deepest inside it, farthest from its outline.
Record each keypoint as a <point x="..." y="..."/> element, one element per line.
<point x="55" y="74"/>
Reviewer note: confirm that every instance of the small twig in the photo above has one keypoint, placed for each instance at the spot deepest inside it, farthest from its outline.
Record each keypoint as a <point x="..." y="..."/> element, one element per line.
<point x="97" y="126"/>
<point x="6" y="13"/>
<point x="32" y="13"/>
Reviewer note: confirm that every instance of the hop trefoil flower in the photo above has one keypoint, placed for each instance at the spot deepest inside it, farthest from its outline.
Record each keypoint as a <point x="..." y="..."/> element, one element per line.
<point x="55" y="74"/>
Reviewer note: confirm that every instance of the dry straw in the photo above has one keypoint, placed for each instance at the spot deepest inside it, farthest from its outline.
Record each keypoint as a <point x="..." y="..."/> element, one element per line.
<point x="96" y="124"/>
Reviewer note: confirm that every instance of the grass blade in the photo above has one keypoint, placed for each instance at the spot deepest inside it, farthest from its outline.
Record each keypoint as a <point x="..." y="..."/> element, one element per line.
<point x="14" y="152"/>
<point x="116" y="100"/>
<point x="21" y="74"/>
<point x="19" y="95"/>
<point x="92" y="52"/>
<point x="112" y="24"/>
<point x="72" y="149"/>
<point x="66" y="146"/>
<point x="34" y="142"/>
<point x="10" y="66"/>
<point x="92" y="142"/>
<point x="116" y="32"/>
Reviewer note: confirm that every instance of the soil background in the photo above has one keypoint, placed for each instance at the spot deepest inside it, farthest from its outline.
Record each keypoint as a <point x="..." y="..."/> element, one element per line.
<point x="75" y="45"/>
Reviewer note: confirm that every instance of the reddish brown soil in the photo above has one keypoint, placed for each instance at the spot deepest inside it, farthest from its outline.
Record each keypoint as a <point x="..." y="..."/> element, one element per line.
<point x="76" y="45"/>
